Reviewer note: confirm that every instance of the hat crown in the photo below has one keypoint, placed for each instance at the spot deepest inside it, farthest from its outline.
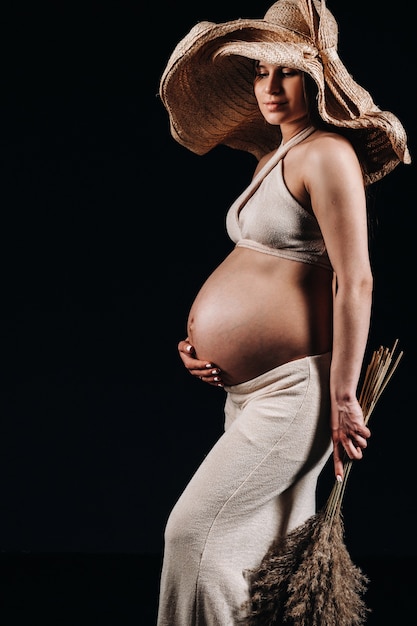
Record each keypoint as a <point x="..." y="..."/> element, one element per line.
<point x="304" y="17"/>
<point x="207" y="86"/>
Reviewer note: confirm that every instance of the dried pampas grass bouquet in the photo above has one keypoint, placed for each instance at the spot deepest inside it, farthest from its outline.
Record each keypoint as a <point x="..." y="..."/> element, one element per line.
<point x="307" y="577"/>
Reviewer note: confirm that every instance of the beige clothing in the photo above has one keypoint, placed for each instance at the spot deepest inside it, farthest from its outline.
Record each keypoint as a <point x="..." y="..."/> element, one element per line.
<point x="259" y="480"/>
<point x="267" y="218"/>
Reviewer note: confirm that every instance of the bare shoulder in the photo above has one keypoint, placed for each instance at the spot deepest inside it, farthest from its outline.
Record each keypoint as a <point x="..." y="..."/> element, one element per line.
<point x="329" y="149"/>
<point x="329" y="160"/>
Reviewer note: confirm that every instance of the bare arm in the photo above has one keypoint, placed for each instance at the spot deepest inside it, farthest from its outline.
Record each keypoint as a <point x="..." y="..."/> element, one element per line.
<point x="338" y="200"/>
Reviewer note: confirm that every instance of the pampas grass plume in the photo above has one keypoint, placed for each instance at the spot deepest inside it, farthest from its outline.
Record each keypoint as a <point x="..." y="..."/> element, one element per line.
<point x="307" y="577"/>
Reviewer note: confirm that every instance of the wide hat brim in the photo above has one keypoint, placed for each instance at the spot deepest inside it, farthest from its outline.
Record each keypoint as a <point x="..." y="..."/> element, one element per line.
<point x="207" y="86"/>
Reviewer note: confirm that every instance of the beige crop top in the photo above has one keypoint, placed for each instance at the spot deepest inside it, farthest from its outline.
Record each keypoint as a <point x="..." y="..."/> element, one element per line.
<point x="267" y="218"/>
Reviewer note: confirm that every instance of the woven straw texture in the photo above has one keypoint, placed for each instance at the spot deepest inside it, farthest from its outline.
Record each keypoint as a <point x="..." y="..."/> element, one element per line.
<point x="207" y="86"/>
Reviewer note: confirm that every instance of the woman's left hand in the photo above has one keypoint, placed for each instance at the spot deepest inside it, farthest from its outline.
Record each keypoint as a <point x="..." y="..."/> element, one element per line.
<point x="349" y="434"/>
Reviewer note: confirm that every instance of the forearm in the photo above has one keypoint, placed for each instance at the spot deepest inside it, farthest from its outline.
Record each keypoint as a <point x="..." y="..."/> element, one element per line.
<point x="351" y="322"/>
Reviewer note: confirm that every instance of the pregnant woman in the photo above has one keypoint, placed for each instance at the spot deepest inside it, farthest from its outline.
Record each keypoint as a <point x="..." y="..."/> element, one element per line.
<point x="282" y="324"/>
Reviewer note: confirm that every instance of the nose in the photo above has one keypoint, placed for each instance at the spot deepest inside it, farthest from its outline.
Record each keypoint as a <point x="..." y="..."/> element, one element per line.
<point x="273" y="83"/>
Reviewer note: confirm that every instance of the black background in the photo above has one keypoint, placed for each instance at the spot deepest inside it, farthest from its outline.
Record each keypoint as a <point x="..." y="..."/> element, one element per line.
<point x="108" y="228"/>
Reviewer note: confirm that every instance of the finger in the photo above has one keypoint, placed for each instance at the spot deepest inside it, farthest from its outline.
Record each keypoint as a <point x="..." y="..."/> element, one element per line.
<point x="185" y="347"/>
<point x="364" y="432"/>
<point x="213" y="377"/>
<point x="191" y="363"/>
<point x="202" y="367"/>
<point x="359" y="440"/>
<point x="337" y="464"/>
<point x="213" y="382"/>
<point x="353" y="450"/>
<point x="198" y="368"/>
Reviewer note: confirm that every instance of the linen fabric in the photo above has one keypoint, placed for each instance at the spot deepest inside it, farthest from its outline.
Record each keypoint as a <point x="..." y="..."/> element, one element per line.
<point x="258" y="482"/>
<point x="252" y="220"/>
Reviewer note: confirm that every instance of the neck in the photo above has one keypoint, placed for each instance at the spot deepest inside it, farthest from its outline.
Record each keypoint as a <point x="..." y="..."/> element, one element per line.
<point x="288" y="131"/>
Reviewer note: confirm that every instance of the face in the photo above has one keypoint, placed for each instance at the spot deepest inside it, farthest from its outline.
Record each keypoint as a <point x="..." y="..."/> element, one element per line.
<point x="280" y="93"/>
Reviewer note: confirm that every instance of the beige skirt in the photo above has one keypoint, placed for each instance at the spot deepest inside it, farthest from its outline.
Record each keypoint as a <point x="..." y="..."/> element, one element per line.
<point x="258" y="481"/>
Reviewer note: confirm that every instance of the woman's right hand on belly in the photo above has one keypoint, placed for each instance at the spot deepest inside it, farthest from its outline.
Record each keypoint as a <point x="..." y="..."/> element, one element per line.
<point x="207" y="372"/>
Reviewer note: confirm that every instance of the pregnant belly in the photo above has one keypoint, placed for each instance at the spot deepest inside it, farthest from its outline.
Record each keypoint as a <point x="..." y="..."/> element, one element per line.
<point x="255" y="313"/>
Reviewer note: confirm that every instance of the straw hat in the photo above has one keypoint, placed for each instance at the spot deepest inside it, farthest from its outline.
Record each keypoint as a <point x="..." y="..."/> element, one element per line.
<point x="207" y="86"/>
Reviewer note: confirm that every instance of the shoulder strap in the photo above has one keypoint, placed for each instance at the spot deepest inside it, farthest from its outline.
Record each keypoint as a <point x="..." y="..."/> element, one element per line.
<point x="279" y="154"/>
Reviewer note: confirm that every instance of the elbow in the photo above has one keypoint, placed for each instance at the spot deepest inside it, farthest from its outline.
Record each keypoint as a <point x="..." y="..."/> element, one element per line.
<point x="359" y="285"/>
<point x="367" y="290"/>
<point x="366" y="283"/>
<point x="364" y="286"/>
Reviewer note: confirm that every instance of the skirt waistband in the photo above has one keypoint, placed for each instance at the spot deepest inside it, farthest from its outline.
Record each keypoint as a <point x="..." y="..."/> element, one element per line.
<point x="279" y="372"/>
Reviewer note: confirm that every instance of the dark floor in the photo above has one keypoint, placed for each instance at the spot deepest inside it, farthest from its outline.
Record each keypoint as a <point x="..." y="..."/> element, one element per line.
<point x="122" y="590"/>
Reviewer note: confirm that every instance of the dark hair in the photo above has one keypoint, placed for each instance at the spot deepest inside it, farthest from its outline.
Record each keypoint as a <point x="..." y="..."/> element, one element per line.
<point x="310" y="93"/>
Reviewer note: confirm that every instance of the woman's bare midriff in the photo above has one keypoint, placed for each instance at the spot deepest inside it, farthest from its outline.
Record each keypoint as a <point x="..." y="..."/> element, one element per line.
<point x="257" y="311"/>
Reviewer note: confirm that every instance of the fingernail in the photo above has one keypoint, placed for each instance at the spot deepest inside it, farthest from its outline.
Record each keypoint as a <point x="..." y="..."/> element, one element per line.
<point x="189" y="348"/>
<point x="339" y="478"/>
<point x="216" y="371"/>
<point x="216" y="379"/>
<point x="209" y="365"/>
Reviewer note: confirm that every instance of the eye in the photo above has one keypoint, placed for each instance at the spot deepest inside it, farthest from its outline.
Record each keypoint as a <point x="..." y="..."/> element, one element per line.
<point x="288" y="71"/>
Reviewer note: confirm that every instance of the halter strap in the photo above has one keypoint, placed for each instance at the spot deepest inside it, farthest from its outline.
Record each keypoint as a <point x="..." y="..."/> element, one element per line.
<point x="279" y="154"/>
